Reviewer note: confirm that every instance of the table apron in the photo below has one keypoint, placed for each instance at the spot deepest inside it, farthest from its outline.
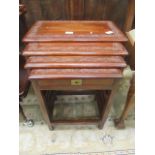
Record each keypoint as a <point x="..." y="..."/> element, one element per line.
<point x="89" y="84"/>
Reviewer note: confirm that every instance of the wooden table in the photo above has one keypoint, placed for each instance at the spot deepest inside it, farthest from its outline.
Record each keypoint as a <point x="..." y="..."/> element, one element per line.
<point x="74" y="57"/>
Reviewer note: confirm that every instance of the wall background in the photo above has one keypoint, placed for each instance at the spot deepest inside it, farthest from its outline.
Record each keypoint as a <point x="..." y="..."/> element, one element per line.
<point x="114" y="10"/>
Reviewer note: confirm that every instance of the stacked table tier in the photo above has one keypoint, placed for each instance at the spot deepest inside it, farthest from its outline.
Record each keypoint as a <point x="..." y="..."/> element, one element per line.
<point x="75" y="55"/>
<point x="75" y="49"/>
<point x="74" y="73"/>
<point x="75" y="62"/>
<point x="58" y="31"/>
<point x="75" y="45"/>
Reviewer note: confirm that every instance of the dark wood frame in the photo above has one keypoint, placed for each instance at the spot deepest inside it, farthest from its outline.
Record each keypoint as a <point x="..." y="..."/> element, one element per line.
<point x="119" y="122"/>
<point x="104" y="110"/>
<point x="130" y="102"/>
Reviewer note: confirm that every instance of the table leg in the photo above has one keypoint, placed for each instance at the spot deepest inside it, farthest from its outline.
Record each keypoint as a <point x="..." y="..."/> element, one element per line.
<point x="107" y="107"/>
<point x="22" y="112"/>
<point x="42" y="103"/>
<point x="119" y="123"/>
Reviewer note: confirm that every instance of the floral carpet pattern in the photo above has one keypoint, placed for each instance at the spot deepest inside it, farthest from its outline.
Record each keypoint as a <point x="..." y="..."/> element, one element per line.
<point x="74" y="139"/>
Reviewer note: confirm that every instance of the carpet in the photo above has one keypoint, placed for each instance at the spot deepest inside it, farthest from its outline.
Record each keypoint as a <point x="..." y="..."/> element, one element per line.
<point x="74" y="139"/>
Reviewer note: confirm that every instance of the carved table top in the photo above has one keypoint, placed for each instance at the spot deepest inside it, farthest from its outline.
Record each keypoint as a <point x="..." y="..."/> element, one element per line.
<point x="49" y="31"/>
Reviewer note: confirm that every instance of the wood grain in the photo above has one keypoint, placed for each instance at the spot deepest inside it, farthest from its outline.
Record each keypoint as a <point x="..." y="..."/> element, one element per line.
<point x="42" y="103"/>
<point x="83" y="59"/>
<point x="65" y="84"/>
<point x="76" y="48"/>
<point x="48" y="31"/>
<point x="74" y="73"/>
<point x="107" y="108"/>
<point x="75" y="62"/>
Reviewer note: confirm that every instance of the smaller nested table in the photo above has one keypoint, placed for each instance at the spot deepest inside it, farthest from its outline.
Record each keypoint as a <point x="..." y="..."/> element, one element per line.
<point x="98" y="81"/>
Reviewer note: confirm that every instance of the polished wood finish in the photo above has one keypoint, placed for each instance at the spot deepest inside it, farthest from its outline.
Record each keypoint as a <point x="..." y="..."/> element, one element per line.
<point x="74" y="49"/>
<point x="43" y="107"/>
<point x="75" y="62"/>
<point x="74" y="73"/>
<point x="48" y="31"/>
<point x="130" y="103"/>
<point x="74" y="56"/>
<point x="90" y="84"/>
<point x="107" y="108"/>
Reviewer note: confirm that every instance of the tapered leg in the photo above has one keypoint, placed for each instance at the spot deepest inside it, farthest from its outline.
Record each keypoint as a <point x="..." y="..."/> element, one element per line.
<point x="107" y="107"/>
<point x="119" y="123"/>
<point x="22" y="112"/>
<point x="42" y="103"/>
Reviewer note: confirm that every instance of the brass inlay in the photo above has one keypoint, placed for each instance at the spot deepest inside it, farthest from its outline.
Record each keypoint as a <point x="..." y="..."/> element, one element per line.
<point x="76" y="82"/>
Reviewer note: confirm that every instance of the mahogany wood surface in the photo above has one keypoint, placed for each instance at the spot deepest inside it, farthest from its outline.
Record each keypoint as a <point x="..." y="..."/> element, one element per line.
<point x="74" y="73"/>
<point x="42" y="103"/>
<point x="65" y="87"/>
<point x="107" y="108"/>
<point x="75" y="62"/>
<point x="48" y="31"/>
<point x="74" y="48"/>
<point x="87" y="84"/>
<point x="130" y="103"/>
<point x="74" y="56"/>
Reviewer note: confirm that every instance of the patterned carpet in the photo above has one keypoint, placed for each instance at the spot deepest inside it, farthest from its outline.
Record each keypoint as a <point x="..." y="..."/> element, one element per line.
<point x="70" y="140"/>
<point x="74" y="139"/>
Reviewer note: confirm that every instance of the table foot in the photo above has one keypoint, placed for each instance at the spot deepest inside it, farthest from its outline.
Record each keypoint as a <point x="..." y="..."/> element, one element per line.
<point x="51" y="128"/>
<point x="100" y="126"/>
<point x="119" y="123"/>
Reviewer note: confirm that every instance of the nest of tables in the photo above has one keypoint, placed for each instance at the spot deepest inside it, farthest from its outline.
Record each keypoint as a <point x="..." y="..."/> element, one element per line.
<point x="74" y="57"/>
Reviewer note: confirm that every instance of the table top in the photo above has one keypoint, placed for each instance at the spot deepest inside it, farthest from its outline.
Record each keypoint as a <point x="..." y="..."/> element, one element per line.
<point x="49" y="31"/>
<point x="75" y="62"/>
<point x="74" y="49"/>
<point x="74" y="73"/>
